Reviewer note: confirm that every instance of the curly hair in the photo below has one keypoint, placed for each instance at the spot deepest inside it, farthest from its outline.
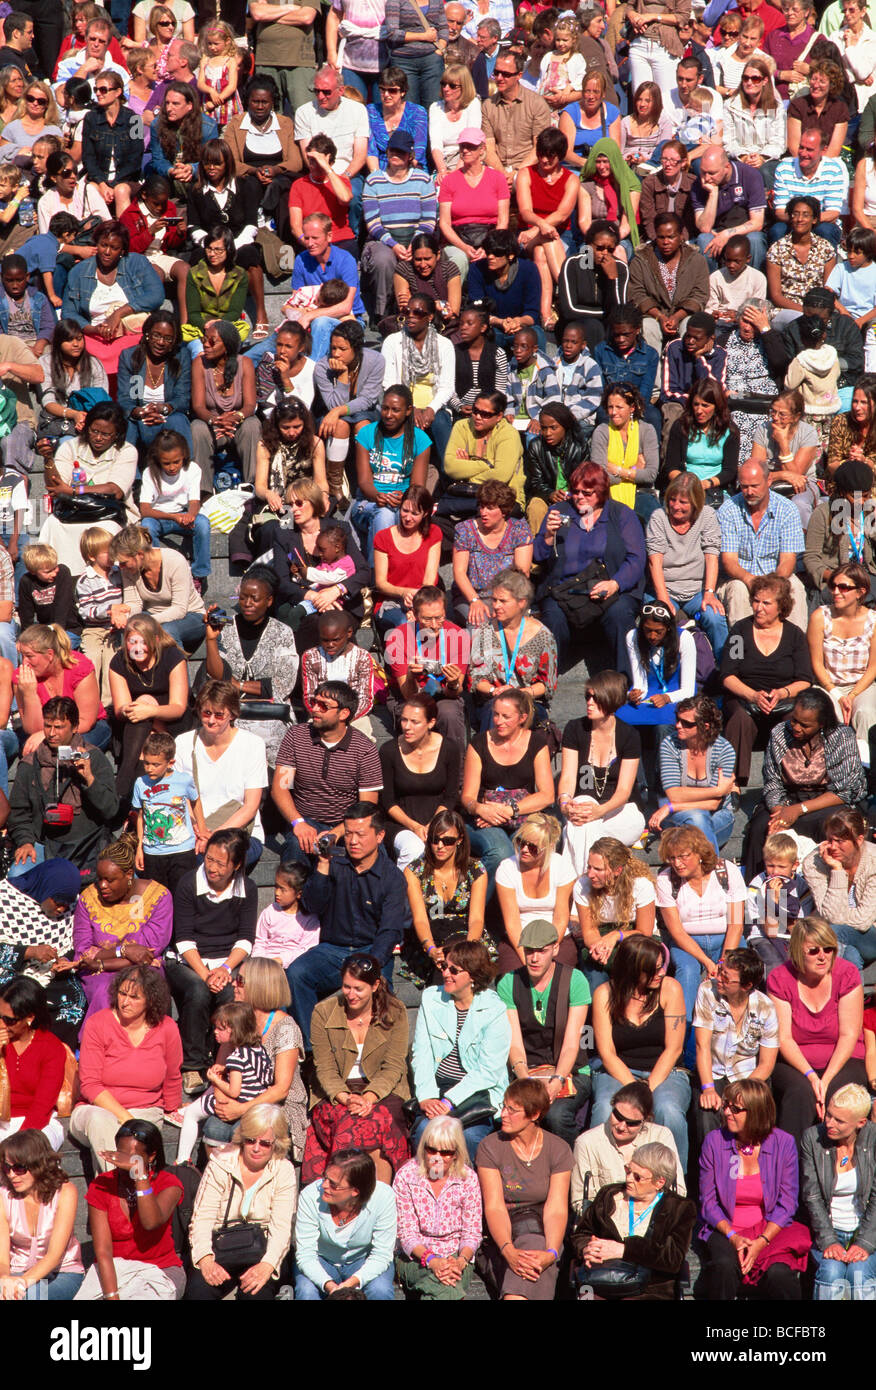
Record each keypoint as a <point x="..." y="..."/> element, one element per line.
<point x="181" y="141"/>
<point x="31" y="1148"/>
<point x="707" y="715"/>
<point x="681" y="839"/>
<point x="494" y="493"/>
<point x="618" y="895"/>
<point x="832" y="71"/>
<point x="154" y="986"/>
<point x="775" y="584"/>
<point x="627" y="393"/>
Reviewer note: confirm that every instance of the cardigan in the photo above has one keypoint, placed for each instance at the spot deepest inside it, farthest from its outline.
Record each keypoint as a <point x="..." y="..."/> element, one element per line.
<point x="271" y="1205"/>
<point x="691" y="285"/>
<point x="827" y="545"/>
<point x="290" y="155"/>
<point x="719" y="1163"/>
<point x="830" y="889"/>
<point x="131" y="387"/>
<point x="369" y="385"/>
<point x="845" y="775"/>
<point x="319" y="1242"/>
<point x="818" y="1181"/>
<point x="484" y="1041"/>
<point x="383" y="1062"/>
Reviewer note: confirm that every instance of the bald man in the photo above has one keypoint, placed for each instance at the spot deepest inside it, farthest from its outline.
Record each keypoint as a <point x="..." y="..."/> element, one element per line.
<point x="459" y="49"/>
<point x="728" y="199"/>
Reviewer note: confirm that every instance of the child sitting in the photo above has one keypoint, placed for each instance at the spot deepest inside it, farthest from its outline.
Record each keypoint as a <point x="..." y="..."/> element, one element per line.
<point x="776" y="898"/>
<point x="26" y="314"/>
<point x="815" y="371"/>
<point x="170" y="500"/>
<point x="13" y="191"/>
<point x="283" y="932"/>
<point x="78" y="101"/>
<point x="99" y="604"/>
<point x="245" y="1074"/>
<point x="853" y="281"/>
<point x="338" y="658"/>
<point x="734" y="283"/>
<point x="169" y="814"/>
<point x="45" y="594"/>
<point x="625" y="356"/>
<point x="323" y="296"/>
<point x="334" y="569"/>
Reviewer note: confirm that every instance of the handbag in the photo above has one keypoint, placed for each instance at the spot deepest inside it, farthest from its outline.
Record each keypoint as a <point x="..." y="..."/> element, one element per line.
<point x="217" y="818"/>
<point x="477" y="1110"/>
<point x="573" y="594"/>
<point x="782" y="708"/>
<point x="89" y="508"/>
<point x="507" y="796"/>
<point x="615" y="1279"/>
<point x="239" y="1244"/>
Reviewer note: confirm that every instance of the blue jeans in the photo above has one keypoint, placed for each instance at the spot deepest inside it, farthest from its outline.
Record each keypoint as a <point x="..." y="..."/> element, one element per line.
<point x="364" y="82"/>
<point x="756" y="241"/>
<point x="835" y="1280"/>
<point x="714" y="624"/>
<point x="321" y="331"/>
<point x="439" y="432"/>
<point x="491" y="845"/>
<point x="379" y="1290"/>
<point x="58" y="1287"/>
<point x="7" y="643"/>
<point x="688" y="973"/>
<point x="200" y="534"/>
<point x="860" y="946"/>
<point x="314" y="976"/>
<point x="187" y="631"/>
<point x="256" y="351"/>
<point x="717" y="826"/>
<point x="423" y="74"/>
<point x="671" y="1104"/>
<point x="368" y="518"/>
<point x="473" y="1135"/>
<point x="292" y="849"/>
<point x="143" y="435"/>
<point x="100" y="736"/>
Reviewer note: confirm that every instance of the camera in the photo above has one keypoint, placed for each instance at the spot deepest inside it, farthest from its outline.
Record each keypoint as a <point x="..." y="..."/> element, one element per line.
<point x="325" y="844"/>
<point x="218" y="618"/>
<point x="66" y="754"/>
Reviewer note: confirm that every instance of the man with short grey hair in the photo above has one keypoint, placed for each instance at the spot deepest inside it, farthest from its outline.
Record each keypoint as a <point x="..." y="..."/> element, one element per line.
<point x="487" y="38"/>
<point x="761" y="533"/>
<point x="459" y="49"/>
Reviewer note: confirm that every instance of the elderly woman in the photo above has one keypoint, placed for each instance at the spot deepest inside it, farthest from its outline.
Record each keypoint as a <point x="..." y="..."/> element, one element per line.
<point x="251" y="1182"/>
<point x="158" y="581"/>
<point x="447" y="893"/>
<point x="360" y="1044"/>
<point x="810" y="766"/>
<point x="683" y="541"/>
<point x="120" y="920"/>
<point x="748" y="1197"/>
<point x="841" y="875"/>
<point x="472" y="200"/>
<point x="842" y="646"/>
<point x="602" y="1153"/>
<point x="697" y="768"/>
<point x="790" y="446"/>
<point x="838" y="1176"/>
<point x="345" y="1232"/>
<point x="40" y="1257"/>
<point x="524" y="1173"/>
<point x="757" y="359"/>
<point x="819" y="999"/>
<point x="110" y="466"/>
<point x="494" y="543"/>
<point x="130" y="1211"/>
<point x="641" y="1222"/>
<point x="763" y="669"/>
<point x="593" y="552"/>
<point x="535" y="885"/>
<point x="129" y="1062"/>
<point x="461" y="1043"/>
<point x="600" y="764"/>
<point x="440" y="1215"/>
<point x="513" y="650"/>
<point x="111" y="294"/>
<point x="33" y="1058"/>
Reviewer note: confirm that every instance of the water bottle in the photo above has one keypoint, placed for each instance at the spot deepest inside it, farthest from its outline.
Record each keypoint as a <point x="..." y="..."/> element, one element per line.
<point x="79" y="479"/>
<point x="26" y="212"/>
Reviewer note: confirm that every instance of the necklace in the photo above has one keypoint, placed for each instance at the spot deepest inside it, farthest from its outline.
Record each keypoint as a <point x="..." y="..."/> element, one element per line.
<point x="529" y="1159"/>
<point x="746" y="1149"/>
<point x="599" y="786"/>
<point x="142" y="674"/>
<point x="151" y="378"/>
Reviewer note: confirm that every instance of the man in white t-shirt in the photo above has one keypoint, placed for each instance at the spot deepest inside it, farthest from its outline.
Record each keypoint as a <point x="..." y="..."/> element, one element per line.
<point x="345" y="122"/>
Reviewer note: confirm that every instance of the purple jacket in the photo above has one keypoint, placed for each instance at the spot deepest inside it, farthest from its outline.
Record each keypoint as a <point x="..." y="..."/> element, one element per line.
<point x="779" y="1172"/>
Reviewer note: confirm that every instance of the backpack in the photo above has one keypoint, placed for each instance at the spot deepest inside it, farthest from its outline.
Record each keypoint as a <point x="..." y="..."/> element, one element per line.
<point x="676" y="884"/>
<point x="181" y="1220"/>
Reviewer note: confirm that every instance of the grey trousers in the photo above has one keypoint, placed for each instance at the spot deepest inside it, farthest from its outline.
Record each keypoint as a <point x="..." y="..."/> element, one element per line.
<point x="378" y="266"/>
<point x="246" y="442"/>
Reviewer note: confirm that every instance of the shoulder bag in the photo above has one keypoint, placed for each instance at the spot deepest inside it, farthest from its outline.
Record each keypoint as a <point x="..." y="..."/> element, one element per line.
<point x="239" y="1244"/>
<point x="216" y="818"/>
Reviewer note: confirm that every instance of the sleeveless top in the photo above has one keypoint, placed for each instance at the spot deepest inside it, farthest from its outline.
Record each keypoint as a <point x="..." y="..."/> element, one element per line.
<point x="26" y="1250"/>
<point x="519" y="775"/>
<point x="639" y="1045"/>
<point x="847" y="658"/>
<point x="546" y="197"/>
<point x="223" y="400"/>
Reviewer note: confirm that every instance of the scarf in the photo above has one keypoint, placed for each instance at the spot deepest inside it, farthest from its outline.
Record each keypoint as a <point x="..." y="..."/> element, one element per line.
<point x="421" y="367"/>
<point x="620" y="457"/>
<point x="623" y="178"/>
<point x="465" y="378"/>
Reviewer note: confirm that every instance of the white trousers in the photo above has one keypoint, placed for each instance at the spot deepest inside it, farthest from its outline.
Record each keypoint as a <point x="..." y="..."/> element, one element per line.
<point x="626" y="825"/>
<point x="737" y="601"/>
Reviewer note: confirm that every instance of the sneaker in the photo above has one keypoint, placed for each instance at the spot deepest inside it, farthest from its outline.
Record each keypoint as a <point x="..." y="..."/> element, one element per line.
<point x="175" y="1117"/>
<point x="193" y="1083"/>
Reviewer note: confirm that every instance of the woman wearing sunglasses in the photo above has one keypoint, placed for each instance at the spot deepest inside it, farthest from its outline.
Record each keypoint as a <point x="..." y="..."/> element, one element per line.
<point x="447" y="892"/>
<point x="819" y="999"/>
<point x="838" y="1177"/>
<point x="842" y="647"/>
<point x="439" y="1215"/>
<point x="40" y="1256"/>
<point x="697" y="773"/>
<point x="345" y="1233"/>
<point x="253" y="1182"/>
<point x="535" y="884"/>
<point x="748" y="1195"/>
<point x="39" y="117"/>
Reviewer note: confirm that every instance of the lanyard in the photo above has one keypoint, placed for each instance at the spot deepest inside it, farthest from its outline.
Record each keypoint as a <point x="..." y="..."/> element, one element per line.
<point x="442" y="645"/>
<point x="510" y="666"/>
<point x="657" y="668"/>
<point x="857" y="545"/>
<point x="637" y="1220"/>
<point x="267" y="1026"/>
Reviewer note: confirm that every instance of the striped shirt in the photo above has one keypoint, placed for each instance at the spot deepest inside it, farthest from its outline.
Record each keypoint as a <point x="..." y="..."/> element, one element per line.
<point x="577" y="385"/>
<point x="829" y="184"/>
<point x="845" y="774"/>
<point x="396" y="212"/>
<point x="96" y="595"/>
<point x="779" y="533"/>
<point x="735" y="1049"/>
<point x="329" y="778"/>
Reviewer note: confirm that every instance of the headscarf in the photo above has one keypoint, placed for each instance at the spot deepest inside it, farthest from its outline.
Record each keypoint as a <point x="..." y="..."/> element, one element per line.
<point x="57" y="878"/>
<point x="624" y="179"/>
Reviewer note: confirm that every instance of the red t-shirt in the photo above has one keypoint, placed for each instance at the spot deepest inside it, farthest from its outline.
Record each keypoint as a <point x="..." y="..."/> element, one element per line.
<point x="130" y="1240"/>
<point x="72" y="676"/>
<point x="406" y="571"/>
<point x="469" y="204"/>
<point x="816" y="1034"/>
<point x="318" y="197"/>
<point x="401" y="648"/>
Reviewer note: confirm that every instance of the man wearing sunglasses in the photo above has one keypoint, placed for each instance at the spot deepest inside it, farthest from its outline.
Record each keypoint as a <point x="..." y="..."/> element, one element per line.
<point x="96" y="60"/>
<point x="513" y="117"/>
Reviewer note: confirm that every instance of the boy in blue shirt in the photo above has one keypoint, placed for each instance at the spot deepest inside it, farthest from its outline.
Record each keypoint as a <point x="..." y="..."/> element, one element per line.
<point x="169" y="815"/>
<point x="854" y="283"/>
<point x="625" y="356"/>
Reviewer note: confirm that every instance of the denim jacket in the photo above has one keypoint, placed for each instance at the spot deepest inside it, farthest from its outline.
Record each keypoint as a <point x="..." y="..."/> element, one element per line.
<point x="484" y="1043"/>
<point x="141" y="285"/>
<point x="158" y="160"/>
<point x="132" y="382"/>
<point x="41" y="313"/>
<point x="101" y="141"/>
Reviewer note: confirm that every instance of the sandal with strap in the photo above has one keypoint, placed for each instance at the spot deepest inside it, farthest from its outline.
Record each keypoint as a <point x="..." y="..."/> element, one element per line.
<point x="260" y="332"/>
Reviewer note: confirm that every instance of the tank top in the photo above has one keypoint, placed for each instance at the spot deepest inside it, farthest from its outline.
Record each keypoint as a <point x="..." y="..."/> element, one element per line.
<point x="748" y="1210"/>
<point x="639" y="1045"/>
<point x="546" y="197"/>
<point x="847" y="658"/>
<point x="223" y="400"/>
<point x="517" y="775"/>
<point x="26" y="1250"/>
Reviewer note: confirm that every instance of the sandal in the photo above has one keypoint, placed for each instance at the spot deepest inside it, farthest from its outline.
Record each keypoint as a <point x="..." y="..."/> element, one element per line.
<point x="260" y="332"/>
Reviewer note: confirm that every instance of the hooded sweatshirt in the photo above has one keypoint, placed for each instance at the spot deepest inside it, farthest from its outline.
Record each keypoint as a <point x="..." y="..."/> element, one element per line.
<point x="816" y="371"/>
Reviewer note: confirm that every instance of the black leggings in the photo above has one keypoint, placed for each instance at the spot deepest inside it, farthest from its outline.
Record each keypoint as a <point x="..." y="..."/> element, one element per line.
<point x="199" y="1291"/>
<point x="722" y="1277"/>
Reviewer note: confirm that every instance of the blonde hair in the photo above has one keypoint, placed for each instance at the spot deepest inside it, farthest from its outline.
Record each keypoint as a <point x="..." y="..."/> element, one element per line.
<point x="618" y="857"/>
<point x="10" y="173"/>
<point x="458" y="72"/>
<point x="541" y="829"/>
<point x="230" y="50"/>
<point x="753" y="22"/>
<point x="95" y="539"/>
<point x="306" y="490"/>
<point x="444" y="1133"/>
<point x="812" y="929"/>
<point x="266" y="985"/>
<point x="854" y="1098"/>
<point x="257" y="1120"/>
<point x="44" y="638"/>
<point x="52" y="115"/>
<point x="160" y="12"/>
<point x="782" y="847"/>
<point x="39" y="557"/>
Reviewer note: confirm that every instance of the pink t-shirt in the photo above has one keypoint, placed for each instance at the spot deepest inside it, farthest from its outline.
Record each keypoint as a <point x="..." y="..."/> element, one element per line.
<point x="81" y="668"/>
<point x="139" y="1077"/>
<point x="469" y="204"/>
<point x="816" y="1034"/>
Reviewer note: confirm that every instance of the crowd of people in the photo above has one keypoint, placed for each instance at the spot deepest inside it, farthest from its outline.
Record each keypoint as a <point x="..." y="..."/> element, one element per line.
<point x="581" y="312"/>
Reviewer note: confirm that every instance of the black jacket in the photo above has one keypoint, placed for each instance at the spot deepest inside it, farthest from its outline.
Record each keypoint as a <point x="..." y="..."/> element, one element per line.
<point x="241" y="209"/>
<point x="281" y="542"/>
<point x="662" y="1248"/>
<point x="540" y="466"/>
<point x="676" y="454"/>
<point x="89" y="831"/>
<point x="585" y="294"/>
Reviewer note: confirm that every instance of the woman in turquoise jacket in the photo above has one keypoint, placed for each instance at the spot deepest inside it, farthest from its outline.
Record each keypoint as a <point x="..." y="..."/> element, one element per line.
<point x="461" y="1044"/>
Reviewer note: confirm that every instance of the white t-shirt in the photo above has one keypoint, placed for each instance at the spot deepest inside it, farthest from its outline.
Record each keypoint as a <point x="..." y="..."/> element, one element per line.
<point x="561" y="875"/>
<point x="346" y="124"/>
<point x="644" y="893"/>
<point x="182" y="12"/>
<point x="706" y="915"/>
<point x="444" y="134"/>
<point x="242" y="767"/>
<point x="172" y="494"/>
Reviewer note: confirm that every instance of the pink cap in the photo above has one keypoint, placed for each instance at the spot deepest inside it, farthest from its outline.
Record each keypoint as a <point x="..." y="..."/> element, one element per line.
<point x="471" y="136"/>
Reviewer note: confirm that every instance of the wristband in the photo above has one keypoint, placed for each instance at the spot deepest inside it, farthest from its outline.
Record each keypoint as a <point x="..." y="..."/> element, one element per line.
<point x="555" y="1255"/>
<point x="426" y="1256"/>
<point x="112" y="1295"/>
<point x="708" y="591"/>
<point x="502" y="1247"/>
<point x="297" y="821"/>
<point x="146" y="1192"/>
<point x="731" y="1232"/>
<point x="709" y="1086"/>
<point x="429" y="950"/>
<point x="119" y="948"/>
<point x="620" y="936"/>
<point x="670" y="805"/>
<point x="449" y="1104"/>
<point x="804" y="808"/>
<point x="810" y="1072"/>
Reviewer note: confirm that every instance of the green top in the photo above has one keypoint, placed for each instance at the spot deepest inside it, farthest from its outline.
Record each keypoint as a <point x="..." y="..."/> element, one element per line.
<point x="286" y="45"/>
<point x="204" y="304"/>
<point x="579" y="993"/>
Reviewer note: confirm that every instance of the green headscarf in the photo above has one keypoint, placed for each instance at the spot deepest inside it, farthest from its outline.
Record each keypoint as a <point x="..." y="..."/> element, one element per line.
<point x="624" y="178"/>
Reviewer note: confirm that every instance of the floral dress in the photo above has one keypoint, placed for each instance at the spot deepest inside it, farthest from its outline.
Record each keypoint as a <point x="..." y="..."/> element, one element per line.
<point x="797" y="278"/>
<point x="275" y="663"/>
<point x="483" y="562"/>
<point x="747" y="375"/>
<point x="447" y="920"/>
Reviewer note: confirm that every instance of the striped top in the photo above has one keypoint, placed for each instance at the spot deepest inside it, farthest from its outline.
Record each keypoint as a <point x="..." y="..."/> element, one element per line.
<point x="829" y="184"/>
<point x="450" y="1068"/>
<point x="329" y="778"/>
<point x="396" y="212"/>
<point x="847" y="658"/>
<point x="96" y="595"/>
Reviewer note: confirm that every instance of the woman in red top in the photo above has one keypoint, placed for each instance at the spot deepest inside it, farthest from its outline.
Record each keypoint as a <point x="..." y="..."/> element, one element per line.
<point x="34" y="1060"/>
<point x="546" y="198"/>
<point x="130" y="1210"/>
<point x="406" y="556"/>
<point x="49" y="666"/>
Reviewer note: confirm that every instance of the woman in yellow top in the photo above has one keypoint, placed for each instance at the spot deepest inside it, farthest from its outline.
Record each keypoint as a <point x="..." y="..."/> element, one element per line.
<point x="628" y="449"/>
<point x="482" y="447"/>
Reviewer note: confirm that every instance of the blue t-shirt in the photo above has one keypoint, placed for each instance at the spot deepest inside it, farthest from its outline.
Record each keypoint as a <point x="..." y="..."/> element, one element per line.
<point x="388" y="472"/>
<point x="167" y="825"/>
<point x="855" y="289"/>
